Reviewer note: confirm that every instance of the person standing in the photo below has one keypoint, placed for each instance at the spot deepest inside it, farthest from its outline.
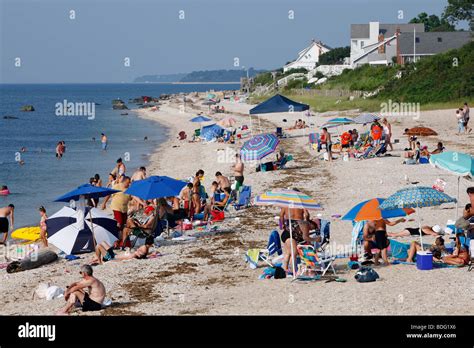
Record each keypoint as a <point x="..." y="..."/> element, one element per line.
<point x="326" y="141"/>
<point x="466" y="118"/>
<point x="5" y="214"/>
<point x="43" y="227"/>
<point x="103" y="140"/>
<point x="120" y="202"/>
<point x="460" y="119"/>
<point x="238" y="168"/>
<point x="387" y="130"/>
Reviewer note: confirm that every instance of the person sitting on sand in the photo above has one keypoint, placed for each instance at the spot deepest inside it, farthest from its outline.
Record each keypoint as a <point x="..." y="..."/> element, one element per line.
<point x="460" y="255"/>
<point x="411" y="140"/>
<point x="105" y="253"/>
<point x="355" y="137"/>
<point x="142" y="222"/>
<point x="375" y="237"/>
<point x="412" y="157"/>
<point x="140" y="174"/>
<point x="217" y="205"/>
<point x="346" y="139"/>
<point x="437" y="249"/>
<point x="90" y="300"/>
<point x="186" y="196"/>
<point x="439" y="149"/>
<point x="425" y="231"/>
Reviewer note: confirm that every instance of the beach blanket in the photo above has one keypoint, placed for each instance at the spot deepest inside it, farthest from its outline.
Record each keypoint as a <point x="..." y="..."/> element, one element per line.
<point x="435" y="264"/>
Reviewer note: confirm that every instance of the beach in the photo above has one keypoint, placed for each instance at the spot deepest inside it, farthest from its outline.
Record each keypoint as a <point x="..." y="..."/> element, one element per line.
<point x="209" y="276"/>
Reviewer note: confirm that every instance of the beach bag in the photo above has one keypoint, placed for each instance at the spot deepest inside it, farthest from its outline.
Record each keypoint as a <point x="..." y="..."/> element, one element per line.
<point x="366" y="275"/>
<point x="279" y="273"/>
<point x="54" y="292"/>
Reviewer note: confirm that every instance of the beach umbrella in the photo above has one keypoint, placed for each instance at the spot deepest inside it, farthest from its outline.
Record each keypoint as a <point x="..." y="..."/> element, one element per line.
<point x="156" y="187"/>
<point x="456" y="163"/>
<point x="366" y="118"/>
<point x="259" y="146"/>
<point x="211" y="132"/>
<point x="288" y="199"/>
<point x="416" y="197"/>
<point x="421" y="131"/>
<point x="86" y="191"/>
<point x="338" y="121"/>
<point x="200" y="119"/>
<point x="70" y="232"/>
<point x="227" y="122"/>
<point x="370" y="210"/>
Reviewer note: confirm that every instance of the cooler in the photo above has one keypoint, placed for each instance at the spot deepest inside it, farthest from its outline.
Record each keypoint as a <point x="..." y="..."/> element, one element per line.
<point x="424" y="260"/>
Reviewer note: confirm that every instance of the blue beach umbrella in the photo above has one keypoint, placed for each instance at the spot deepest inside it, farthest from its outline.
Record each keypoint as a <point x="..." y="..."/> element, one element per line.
<point x="156" y="187"/>
<point x="88" y="191"/>
<point x="259" y="146"/>
<point x="338" y="121"/>
<point x="457" y="163"/>
<point x="416" y="197"/>
<point x="211" y="132"/>
<point x="200" y="119"/>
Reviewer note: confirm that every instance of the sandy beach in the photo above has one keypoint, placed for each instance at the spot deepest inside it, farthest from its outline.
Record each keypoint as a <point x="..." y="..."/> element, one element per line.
<point x="209" y="276"/>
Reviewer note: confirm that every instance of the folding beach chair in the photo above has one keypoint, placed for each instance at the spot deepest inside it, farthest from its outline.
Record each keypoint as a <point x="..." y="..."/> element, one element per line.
<point x="324" y="232"/>
<point x="312" y="262"/>
<point x="244" y="198"/>
<point x="253" y="256"/>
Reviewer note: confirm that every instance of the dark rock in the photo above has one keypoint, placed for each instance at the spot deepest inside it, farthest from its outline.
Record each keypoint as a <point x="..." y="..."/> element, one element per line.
<point x="8" y="117"/>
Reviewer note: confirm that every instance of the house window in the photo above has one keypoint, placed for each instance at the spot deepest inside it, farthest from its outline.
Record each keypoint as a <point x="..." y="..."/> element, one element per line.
<point x="361" y="44"/>
<point x="440" y="39"/>
<point x="417" y="40"/>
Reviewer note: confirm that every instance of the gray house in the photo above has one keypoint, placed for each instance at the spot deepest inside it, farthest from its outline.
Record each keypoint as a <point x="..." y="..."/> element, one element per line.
<point x="377" y="43"/>
<point x="429" y="43"/>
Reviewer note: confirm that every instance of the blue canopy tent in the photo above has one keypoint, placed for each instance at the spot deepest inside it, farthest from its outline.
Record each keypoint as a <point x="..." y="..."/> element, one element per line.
<point x="211" y="132"/>
<point x="277" y="103"/>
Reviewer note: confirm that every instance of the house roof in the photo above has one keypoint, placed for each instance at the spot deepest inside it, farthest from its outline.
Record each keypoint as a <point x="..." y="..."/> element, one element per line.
<point x="361" y="31"/>
<point x="429" y="43"/>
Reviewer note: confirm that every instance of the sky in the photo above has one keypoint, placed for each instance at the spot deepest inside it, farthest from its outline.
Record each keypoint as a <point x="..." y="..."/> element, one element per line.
<point x="111" y="41"/>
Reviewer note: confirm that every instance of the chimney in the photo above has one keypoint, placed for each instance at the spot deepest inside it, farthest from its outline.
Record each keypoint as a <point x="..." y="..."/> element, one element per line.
<point x="399" y="57"/>
<point x="381" y="48"/>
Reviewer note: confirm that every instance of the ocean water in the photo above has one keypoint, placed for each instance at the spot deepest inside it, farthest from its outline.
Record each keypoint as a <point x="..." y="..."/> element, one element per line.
<point x="43" y="177"/>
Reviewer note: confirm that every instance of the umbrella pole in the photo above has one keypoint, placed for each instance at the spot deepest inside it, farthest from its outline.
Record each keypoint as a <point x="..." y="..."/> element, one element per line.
<point x="293" y="264"/>
<point x="259" y="126"/>
<point x="419" y="226"/>
<point x="251" y="127"/>
<point x="457" y="199"/>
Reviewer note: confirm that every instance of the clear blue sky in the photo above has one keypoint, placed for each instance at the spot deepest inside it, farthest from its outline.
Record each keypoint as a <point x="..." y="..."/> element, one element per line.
<point x="93" y="46"/>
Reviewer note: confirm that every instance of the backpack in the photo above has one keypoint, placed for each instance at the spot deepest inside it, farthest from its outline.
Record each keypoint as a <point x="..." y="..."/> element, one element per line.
<point x="366" y="274"/>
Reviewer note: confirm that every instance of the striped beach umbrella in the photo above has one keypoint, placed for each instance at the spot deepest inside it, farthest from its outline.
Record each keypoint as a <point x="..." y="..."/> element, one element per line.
<point x="76" y="231"/>
<point x="288" y="199"/>
<point x="366" y="118"/>
<point x="370" y="210"/>
<point x="259" y="146"/>
<point x="417" y="197"/>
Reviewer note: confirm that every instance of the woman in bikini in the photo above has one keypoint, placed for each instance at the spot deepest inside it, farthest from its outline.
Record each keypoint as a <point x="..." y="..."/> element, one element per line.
<point x="104" y="253"/>
<point x="43" y="227"/>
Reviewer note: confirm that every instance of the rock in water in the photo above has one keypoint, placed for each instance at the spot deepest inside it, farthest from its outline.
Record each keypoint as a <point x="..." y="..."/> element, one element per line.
<point x="28" y="108"/>
<point x="35" y="260"/>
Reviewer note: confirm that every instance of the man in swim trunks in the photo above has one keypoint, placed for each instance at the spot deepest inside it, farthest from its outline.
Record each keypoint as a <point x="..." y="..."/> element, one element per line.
<point x="222" y="181"/>
<point x="90" y="300"/>
<point x="375" y="237"/>
<point x="120" y="202"/>
<point x="425" y="231"/>
<point x="5" y="214"/>
<point x="238" y="168"/>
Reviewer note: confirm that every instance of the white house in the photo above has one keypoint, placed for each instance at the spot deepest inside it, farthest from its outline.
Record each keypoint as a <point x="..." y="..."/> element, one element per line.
<point x="375" y="43"/>
<point x="309" y="57"/>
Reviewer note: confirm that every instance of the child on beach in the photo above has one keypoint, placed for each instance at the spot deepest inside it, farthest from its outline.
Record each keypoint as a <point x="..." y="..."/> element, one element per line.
<point x="460" y="119"/>
<point x="43" y="227"/>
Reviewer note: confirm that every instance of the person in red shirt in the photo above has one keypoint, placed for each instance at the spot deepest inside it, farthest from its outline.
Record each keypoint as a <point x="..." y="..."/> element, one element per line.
<point x="376" y="133"/>
<point x="346" y="139"/>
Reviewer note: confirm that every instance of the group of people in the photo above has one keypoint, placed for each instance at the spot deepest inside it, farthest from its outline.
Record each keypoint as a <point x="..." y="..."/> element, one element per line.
<point x="299" y="124"/>
<point x="462" y="118"/>
<point x="415" y="152"/>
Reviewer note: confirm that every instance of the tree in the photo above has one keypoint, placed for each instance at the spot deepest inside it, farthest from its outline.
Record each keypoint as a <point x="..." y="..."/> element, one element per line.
<point x="459" y="10"/>
<point x="335" y="56"/>
<point x="433" y="22"/>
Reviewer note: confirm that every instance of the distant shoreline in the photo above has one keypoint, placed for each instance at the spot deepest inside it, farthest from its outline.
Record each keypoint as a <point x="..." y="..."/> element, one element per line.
<point x="192" y="83"/>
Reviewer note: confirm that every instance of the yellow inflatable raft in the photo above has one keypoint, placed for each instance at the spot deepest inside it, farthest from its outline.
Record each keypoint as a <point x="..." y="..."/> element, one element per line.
<point x="27" y="233"/>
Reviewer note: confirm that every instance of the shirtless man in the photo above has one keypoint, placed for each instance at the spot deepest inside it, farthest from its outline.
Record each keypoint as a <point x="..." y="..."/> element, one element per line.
<point x="375" y="237"/>
<point x="119" y="169"/>
<point x="91" y="300"/>
<point x="140" y="174"/>
<point x="5" y="214"/>
<point x="238" y="168"/>
<point x="222" y="181"/>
